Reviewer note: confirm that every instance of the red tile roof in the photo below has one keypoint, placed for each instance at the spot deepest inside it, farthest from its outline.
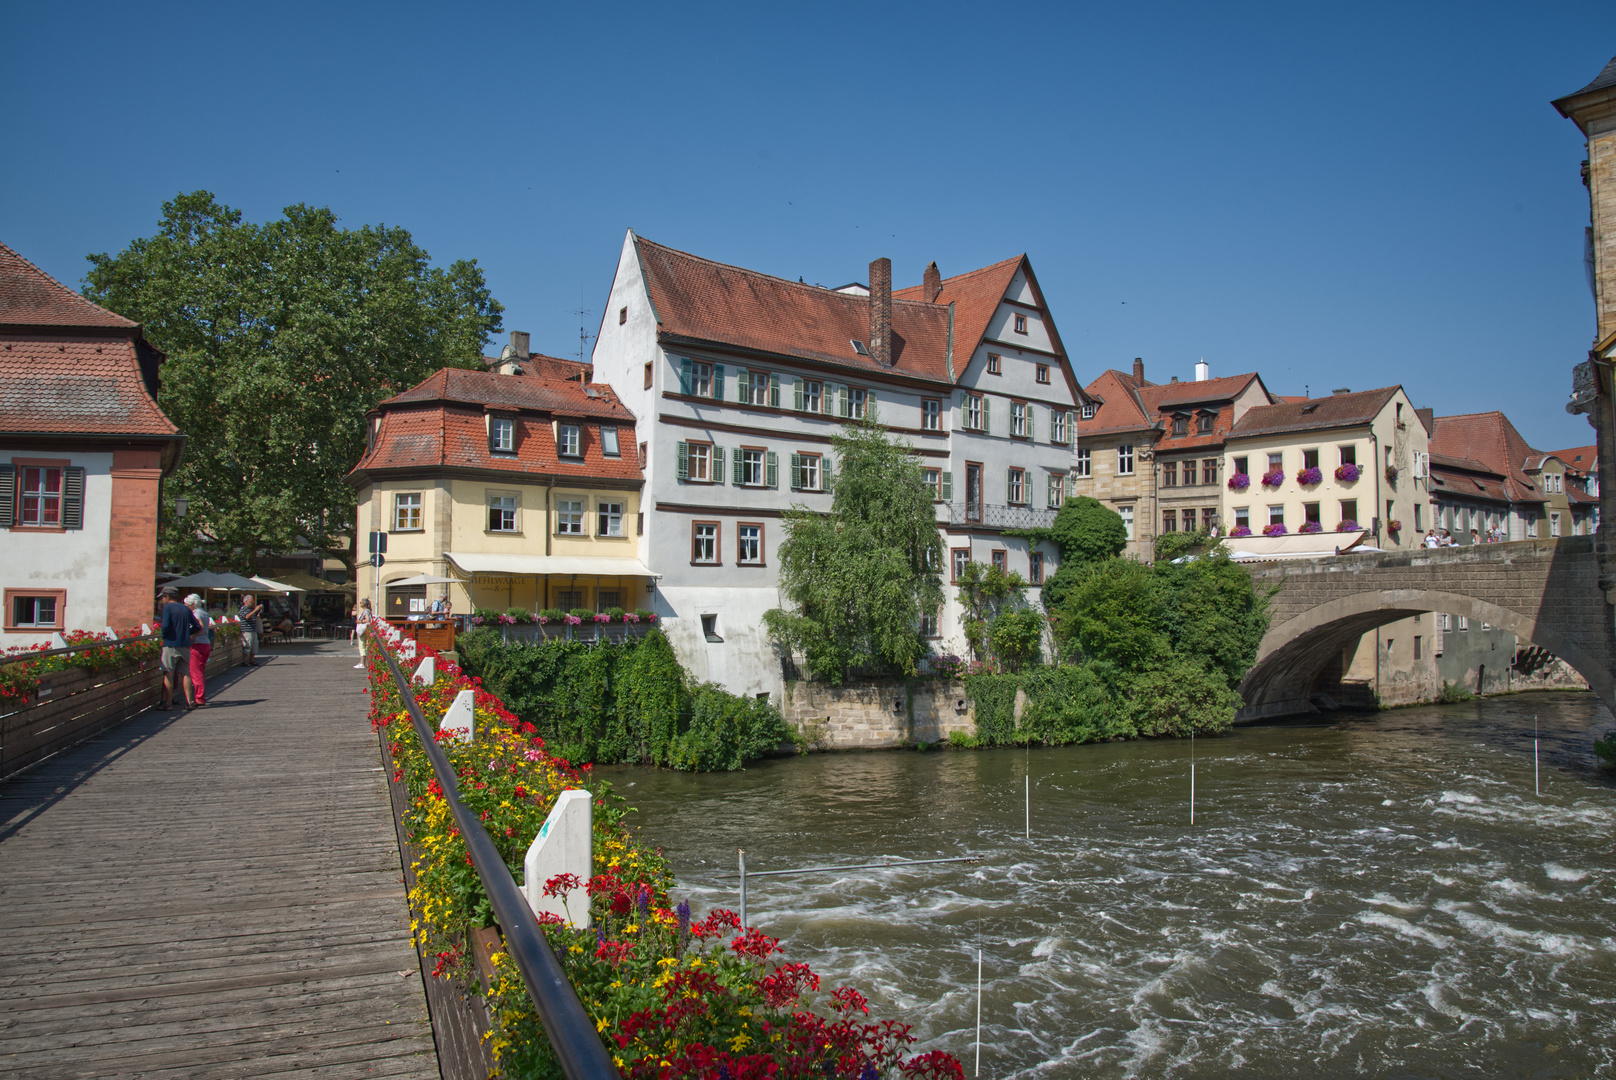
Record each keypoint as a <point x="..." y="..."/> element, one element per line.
<point x="698" y="300"/>
<point x="551" y="367"/>
<point x="1118" y="406"/>
<point x="441" y="424"/>
<point x="60" y="371"/>
<point x="1312" y="414"/>
<point x="1467" y="478"/>
<point x="976" y="296"/>
<point x="1225" y="388"/>
<point x="561" y="397"/>
<point x="1584" y="459"/>
<point x="1491" y="439"/>
<point x="31" y="297"/>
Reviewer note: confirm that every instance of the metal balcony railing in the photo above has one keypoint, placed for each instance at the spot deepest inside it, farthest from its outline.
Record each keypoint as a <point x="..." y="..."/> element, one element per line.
<point x="999" y="516"/>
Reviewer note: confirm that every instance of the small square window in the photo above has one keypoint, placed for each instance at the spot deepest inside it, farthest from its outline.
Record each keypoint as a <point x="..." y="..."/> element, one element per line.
<point x="859" y="347"/>
<point x="407" y="511"/>
<point x="1021" y="324"/>
<point x="994" y="364"/>
<point x="709" y="628"/>
<point x="1203" y="423"/>
<point x="36" y="610"/>
<point x="610" y="515"/>
<point x="608" y="442"/>
<point x="1181" y="424"/>
<point x="1041" y="373"/>
<point x="1089" y="410"/>
<point x="622" y="316"/>
<point x="568" y="444"/>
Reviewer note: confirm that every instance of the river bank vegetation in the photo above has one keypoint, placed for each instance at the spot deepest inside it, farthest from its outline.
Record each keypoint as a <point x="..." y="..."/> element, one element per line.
<point x="672" y="995"/>
<point x="623" y="702"/>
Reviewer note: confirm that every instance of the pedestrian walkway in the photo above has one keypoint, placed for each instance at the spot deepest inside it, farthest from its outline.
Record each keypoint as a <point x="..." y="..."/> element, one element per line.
<point x="213" y="894"/>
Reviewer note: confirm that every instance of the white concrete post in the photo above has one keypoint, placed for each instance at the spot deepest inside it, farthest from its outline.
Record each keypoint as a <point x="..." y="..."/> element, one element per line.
<point x="409" y="649"/>
<point x="58" y="641"/>
<point x="460" y="717"/>
<point x="111" y="633"/>
<point x="565" y="845"/>
<point x="144" y="630"/>
<point x="427" y="673"/>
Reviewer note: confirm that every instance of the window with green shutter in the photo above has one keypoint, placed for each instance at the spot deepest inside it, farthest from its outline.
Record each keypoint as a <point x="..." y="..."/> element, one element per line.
<point x="796" y="472"/>
<point x="73" y="497"/>
<point x="684" y="376"/>
<point x="718" y="382"/>
<point x="869" y="404"/>
<point x="743" y="386"/>
<point x="718" y="465"/>
<point x="8" y="495"/>
<point x="735" y="466"/>
<point x="774" y="390"/>
<point x="948" y="486"/>
<point x="797" y="397"/>
<point x="682" y="461"/>
<point x="773" y="467"/>
<point x="987" y="423"/>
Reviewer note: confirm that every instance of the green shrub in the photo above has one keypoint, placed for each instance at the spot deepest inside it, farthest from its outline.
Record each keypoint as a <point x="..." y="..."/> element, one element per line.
<point x="1454" y="692"/>
<point x="1605" y="750"/>
<point x="554" y="614"/>
<point x="726" y="731"/>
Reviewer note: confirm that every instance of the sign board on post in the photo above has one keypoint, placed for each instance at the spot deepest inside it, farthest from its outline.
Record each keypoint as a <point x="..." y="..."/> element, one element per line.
<point x="378" y="543"/>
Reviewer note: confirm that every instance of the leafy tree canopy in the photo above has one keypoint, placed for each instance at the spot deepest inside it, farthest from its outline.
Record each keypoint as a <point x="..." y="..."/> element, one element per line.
<point x="1086" y="531"/>
<point x="280" y="337"/>
<point x="857" y="580"/>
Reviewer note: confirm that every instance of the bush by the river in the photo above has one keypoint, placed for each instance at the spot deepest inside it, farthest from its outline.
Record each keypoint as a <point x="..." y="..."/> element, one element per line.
<point x="628" y="701"/>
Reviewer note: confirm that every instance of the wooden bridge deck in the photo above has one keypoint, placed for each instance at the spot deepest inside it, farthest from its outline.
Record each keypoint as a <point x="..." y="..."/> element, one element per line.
<point x="213" y="894"/>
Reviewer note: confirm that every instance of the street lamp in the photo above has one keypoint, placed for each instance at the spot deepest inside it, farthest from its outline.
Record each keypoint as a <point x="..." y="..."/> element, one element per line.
<point x="181" y="504"/>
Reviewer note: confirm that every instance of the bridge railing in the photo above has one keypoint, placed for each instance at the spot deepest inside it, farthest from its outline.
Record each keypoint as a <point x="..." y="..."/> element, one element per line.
<point x="572" y="1034"/>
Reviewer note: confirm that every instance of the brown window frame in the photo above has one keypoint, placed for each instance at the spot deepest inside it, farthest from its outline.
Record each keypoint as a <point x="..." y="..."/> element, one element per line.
<point x="999" y="559"/>
<point x="995" y="364"/>
<point x="1169" y="474"/>
<point x="1026" y="422"/>
<point x="761" y="559"/>
<point x="953" y="563"/>
<point x="622" y="316"/>
<point x="718" y="544"/>
<point x="650" y="374"/>
<point x="1026" y="493"/>
<point x="1041" y="374"/>
<point x="1020" y="324"/>
<point x="20" y="464"/>
<point x="690" y="457"/>
<point x="1035" y="559"/>
<point x="59" y="595"/>
<point x="936" y="488"/>
<point x="763" y="467"/>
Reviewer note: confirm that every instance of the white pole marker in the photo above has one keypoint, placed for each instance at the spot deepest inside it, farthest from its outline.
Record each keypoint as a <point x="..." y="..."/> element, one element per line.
<point x="564" y="845"/>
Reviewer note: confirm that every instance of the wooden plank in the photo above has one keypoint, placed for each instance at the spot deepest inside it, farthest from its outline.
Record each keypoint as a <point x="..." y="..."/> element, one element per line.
<point x="236" y="906"/>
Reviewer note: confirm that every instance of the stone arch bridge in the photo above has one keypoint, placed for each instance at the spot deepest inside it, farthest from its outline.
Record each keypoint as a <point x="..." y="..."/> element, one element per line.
<point x="1545" y="591"/>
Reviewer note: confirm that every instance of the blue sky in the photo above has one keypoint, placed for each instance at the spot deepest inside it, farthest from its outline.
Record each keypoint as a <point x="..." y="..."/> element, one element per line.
<point x="1343" y="195"/>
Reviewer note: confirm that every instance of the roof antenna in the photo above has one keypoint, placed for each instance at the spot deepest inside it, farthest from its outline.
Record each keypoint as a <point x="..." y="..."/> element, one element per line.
<point x="1306" y="391"/>
<point x="583" y="341"/>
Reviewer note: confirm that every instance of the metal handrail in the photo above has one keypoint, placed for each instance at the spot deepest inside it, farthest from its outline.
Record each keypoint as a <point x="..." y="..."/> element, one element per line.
<point x="572" y="1034"/>
<point x="36" y="654"/>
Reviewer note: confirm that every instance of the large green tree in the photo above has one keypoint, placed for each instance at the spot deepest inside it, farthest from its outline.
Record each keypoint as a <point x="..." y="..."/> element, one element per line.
<point x="280" y="337"/>
<point x="858" y="579"/>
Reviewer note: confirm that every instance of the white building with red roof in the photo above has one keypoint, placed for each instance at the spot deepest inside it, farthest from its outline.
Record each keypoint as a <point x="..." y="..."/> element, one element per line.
<point x="83" y="449"/>
<point x="740" y="379"/>
<point x="523" y="489"/>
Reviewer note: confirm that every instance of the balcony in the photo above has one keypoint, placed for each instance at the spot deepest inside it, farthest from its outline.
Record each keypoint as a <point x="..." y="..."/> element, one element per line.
<point x="999" y="517"/>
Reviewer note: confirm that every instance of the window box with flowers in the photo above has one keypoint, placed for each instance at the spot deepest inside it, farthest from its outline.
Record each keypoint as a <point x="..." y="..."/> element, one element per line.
<point x="1348" y="526"/>
<point x="1311" y="527"/>
<point x="1276" y="529"/>
<point x="1240" y="530"/>
<point x="1348" y="473"/>
<point x="1309" y="477"/>
<point x="1394" y="526"/>
<point x="1391" y="473"/>
<point x="1239" y="481"/>
<point x="1273" y="478"/>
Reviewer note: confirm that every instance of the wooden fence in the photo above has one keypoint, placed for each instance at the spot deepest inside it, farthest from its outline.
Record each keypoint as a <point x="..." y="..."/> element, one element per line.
<point x="72" y="706"/>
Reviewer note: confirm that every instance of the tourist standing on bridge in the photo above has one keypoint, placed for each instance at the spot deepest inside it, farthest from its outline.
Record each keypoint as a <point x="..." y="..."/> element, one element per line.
<point x="252" y="625"/>
<point x="201" y="647"/>
<point x="1430" y="538"/>
<point x="361" y="626"/>
<point x="178" y="626"/>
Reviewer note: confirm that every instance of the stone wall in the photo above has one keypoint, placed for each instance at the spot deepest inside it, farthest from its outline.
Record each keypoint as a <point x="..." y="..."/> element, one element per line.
<point x="878" y="715"/>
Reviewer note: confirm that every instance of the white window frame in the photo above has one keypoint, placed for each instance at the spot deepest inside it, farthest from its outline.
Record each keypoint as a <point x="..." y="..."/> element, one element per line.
<point x="608" y="519"/>
<point x="401" y="511"/>
<point x="931" y="414"/>
<point x="569" y="517"/>
<point x="1125" y="459"/>
<point x="748" y="550"/>
<point x="502" y="435"/>
<point x="706" y="457"/>
<point x="569" y="440"/>
<point x="743" y="476"/>
<point x="1083" y="462"/>
<point x="508" y="506"/>
<point x="704" y="545"/>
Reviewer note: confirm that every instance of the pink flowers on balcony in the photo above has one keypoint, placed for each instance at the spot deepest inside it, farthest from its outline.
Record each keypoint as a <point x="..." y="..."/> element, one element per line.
<point x="1348" y="526"/>
<point x="1312" y="527"/>
<point x="571" y="620"/>
<point x="1240" y="530"/>
<point x="1347" y="473"/>
<point x="1308" y="477"/>
<point x="1273" y="478"/>
<point x="1276" y="529"/>
<point x="1239" y="482"/>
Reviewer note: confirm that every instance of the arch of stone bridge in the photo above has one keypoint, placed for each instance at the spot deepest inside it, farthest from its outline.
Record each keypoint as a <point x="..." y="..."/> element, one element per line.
<point x="1293" y="653"/>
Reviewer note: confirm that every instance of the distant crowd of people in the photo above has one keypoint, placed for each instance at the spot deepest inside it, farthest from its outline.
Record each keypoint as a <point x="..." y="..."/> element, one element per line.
<point x="1443" y="538"/>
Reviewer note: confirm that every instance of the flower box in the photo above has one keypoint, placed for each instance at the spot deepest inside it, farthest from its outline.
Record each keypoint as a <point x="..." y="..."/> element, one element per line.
<point x="1311" y="527"/>
<point x="1240" y="530"/>
<point x="1394" y="526"/>
<point x="1347" y="473"/>
<point x="1239" y="482"/>
<point x="1273" y="478"/>
<point x="1309" y="477"/>
<point x="1348" y="526"/>
<point x="1276" y="529"/>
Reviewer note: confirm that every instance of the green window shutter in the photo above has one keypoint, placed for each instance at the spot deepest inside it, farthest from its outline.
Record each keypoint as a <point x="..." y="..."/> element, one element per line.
<point x="683" y="461"/>
<point x="1032" y="432"/>
<point x="796" y="472"/>
<point x="798" y="397"/>
<point x="8" y="496"/>
<point x="718" y="464"/>
<point x="985" y="426"/>
<point x="1052" y="426"/>
<point x="73" y="497"/>
<point x="684" y="377"/>
<point x="773" y="466"/>
<point x="1049" y="496"/>
<point x="718" y="382"/>
<point x="735" y="461"/>
<point x="826" y="472"/>
<point x="948" y="486"/>
<point x="869" y="404"/>
<point x="741" y="385"/>
<point x="844" y="402"/>
<point x="774" y="390"/>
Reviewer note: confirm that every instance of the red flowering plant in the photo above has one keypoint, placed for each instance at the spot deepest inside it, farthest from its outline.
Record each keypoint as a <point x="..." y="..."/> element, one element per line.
<point x="1276" y="529"/>
<point x="1240" y="530"/>
<point x="671" y="997"/>
<point x="1239" y="481"/>
<point x="97" y="653"/>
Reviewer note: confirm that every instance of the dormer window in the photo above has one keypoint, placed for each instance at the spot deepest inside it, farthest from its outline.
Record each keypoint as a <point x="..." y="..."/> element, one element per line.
<point x="608" y="441"/>
<point x="1181" y="424"/>
<point x="501" y="435"/>
<point x="1089" y="411"/>
<point x="568" y="443"/>
<point x="858" y="347"/>
<point x="1203" y="423"/>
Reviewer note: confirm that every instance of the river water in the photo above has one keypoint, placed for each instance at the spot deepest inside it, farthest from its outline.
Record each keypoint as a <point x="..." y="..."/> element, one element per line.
<point x="1379" y="896"/>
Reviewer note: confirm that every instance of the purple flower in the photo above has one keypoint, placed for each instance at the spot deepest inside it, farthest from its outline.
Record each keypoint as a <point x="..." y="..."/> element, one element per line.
<point x="1276" y="529"/>
<point x="1311" y="527"/>
<point x="1347" y="473"/>
<point x="629" y="616"/>
<point x="603" y="618"/>
<point x="1348" y="526"/>
<point x="1240" y="530"/>
<point x="571" y="620"/>
<point x="1310" y="476"/>
<point x="1239" y="482"/>
<point x="1273" y="478"/>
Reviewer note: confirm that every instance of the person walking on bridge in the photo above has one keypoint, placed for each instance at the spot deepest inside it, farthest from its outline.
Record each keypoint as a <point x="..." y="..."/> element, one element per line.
<point x="177" y="627"/>
<point x="201" y="647"/>
<point x="252" y="625"/>
<point x="361" y="627"/>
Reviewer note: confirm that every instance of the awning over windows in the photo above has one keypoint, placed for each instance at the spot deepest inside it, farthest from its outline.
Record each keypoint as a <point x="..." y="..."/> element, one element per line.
<point x="546" y="565"/>
<point x="1296" y="545"/>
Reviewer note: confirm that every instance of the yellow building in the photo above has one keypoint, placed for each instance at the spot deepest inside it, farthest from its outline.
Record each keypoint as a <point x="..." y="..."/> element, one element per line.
<point x="1371" y="451"/>
<point x="502" y="490"/>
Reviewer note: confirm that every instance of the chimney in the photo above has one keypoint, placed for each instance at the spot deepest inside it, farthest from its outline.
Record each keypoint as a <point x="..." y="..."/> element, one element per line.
<point x="1338" y="392"/>
<point x="881" y="312"/>
<point x="519" y="340"/>
<point x="933" y="283"/>
<point x="1139" y="370"/>
<point x="1175" y="379"/>
<point x="1203" y="371"/>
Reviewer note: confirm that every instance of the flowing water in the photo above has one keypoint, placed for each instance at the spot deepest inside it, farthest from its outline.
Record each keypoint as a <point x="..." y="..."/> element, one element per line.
<point x="1379" y="896"/>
